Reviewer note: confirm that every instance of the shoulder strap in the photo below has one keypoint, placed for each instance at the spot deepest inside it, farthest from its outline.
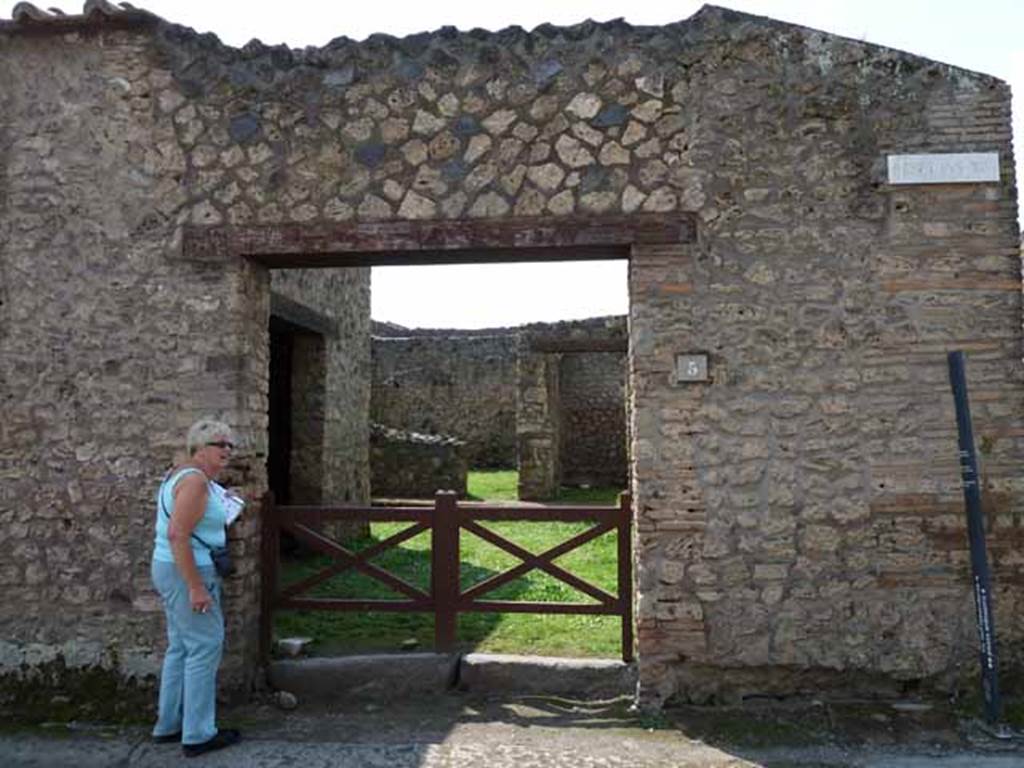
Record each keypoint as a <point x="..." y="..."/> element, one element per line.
<point x="163" y="507"/>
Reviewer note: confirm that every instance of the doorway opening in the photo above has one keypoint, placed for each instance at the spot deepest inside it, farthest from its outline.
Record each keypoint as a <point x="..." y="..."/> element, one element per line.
<point x="296" y="411"/>
<point x="472" y="241"/>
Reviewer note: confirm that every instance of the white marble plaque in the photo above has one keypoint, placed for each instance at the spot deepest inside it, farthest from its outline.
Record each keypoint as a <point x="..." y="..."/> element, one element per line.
<point x="963" y="168"/>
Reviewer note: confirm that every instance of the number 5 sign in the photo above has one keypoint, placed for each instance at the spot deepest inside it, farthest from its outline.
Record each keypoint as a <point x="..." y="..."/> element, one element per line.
<point x="691" y="367"/>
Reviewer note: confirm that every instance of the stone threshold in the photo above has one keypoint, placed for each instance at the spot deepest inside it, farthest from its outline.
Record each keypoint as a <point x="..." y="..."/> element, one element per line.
<point x="388" y="676"/>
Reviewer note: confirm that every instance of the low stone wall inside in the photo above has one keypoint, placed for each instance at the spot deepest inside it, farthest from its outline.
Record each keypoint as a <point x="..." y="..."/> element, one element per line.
<point x="414" y="465"/>
<point x="454" y="383"/>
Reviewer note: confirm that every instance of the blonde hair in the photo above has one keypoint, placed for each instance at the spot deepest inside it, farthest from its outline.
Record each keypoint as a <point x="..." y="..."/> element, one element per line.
<point x="205" y="430"/>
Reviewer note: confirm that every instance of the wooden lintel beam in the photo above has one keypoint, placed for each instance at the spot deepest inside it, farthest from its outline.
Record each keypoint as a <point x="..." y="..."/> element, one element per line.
<point x="546" y="238"/>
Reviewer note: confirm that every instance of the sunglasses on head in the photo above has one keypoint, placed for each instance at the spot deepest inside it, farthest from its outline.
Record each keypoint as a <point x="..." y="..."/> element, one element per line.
<point x="221" y="444"/>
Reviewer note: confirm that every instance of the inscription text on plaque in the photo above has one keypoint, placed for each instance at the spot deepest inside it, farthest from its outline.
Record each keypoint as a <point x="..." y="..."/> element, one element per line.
<point x="944" y="168"/>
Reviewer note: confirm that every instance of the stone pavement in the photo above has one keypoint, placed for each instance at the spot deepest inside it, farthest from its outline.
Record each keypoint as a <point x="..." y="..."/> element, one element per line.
<point x="463" y="731"/>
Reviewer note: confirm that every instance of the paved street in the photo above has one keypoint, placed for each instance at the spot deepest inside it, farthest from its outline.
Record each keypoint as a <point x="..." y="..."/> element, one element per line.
<point x="454" y="731"/>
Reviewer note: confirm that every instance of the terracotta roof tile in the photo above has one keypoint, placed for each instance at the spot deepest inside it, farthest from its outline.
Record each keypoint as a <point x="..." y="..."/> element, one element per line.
<point x="27" y="15"/>
<point x="27" y="12"/>
<point x="102" y="6"/>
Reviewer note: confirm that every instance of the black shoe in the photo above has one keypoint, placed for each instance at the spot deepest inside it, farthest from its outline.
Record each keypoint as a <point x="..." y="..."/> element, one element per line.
<point x="224" y="738"/>
<point x="168" y="738"/>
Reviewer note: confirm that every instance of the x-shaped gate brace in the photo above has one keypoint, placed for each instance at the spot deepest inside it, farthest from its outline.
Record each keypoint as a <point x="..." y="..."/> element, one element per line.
<point x="357" y="560"/>
<point x="530" y="561"/>
<point x="446" y="598"/>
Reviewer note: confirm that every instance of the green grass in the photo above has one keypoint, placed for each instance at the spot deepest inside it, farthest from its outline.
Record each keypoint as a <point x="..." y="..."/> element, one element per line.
<point x="502" y="485"/>
<point x="558" y="635"/>
<point x="589" y="495"/>
<point x="492" y="485"/>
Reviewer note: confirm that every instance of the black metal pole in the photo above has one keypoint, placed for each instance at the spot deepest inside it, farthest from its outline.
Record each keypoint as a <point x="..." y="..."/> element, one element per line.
<point x="976" y="538"/>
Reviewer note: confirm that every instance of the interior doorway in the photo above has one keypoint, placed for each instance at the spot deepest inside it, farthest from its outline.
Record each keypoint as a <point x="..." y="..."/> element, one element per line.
<point x="296" y="408"/>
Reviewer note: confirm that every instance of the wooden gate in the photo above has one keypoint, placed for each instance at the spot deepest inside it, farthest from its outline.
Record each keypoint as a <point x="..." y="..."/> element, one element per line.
<point x="445" y="598"/>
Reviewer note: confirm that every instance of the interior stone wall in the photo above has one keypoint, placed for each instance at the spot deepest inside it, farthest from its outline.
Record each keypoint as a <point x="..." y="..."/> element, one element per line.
<point x="309" y="448"/>
<point x="465" y="383"/>
<point x="455" y="384"/>
<point x="538" y="426"/>
<point x="342" y="298"/>
<point x="592" y="409"/>
<point x="798" y="515"/>
<point x="412" y="465"/>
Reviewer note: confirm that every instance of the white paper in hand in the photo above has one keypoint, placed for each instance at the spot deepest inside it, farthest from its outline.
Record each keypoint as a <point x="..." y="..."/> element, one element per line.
<point x="233" y="504"/>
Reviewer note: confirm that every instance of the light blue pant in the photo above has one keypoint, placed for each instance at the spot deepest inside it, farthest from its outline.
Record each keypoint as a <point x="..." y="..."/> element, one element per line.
<point x="188" y="684"/>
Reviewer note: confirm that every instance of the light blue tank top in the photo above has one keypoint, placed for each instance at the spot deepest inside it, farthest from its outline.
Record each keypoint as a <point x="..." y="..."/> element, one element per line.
<point x="210" y="527"/>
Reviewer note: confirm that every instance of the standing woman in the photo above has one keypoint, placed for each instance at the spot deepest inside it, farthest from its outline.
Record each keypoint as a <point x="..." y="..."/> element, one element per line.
<point x="189" y="521"/>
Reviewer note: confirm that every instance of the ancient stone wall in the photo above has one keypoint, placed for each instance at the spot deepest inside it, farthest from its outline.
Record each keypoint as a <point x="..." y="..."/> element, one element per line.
<point x="461" y="385"/>
<point x="339" y="443"/>
<point x="566" y="417"/>
<point x="114" y="344"/>
<point x="798" y="514"/>
<point x="592" y="405"/>
<point x="111" y="348"/>
<point x="464" y="383"/>
<point x="307" y="416"/>
<point x="538" y="426"/>
<point x="412" y="465"/>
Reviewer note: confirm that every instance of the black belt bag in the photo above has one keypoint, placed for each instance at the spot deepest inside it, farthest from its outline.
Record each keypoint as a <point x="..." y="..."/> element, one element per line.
<point x="221" y="558"/>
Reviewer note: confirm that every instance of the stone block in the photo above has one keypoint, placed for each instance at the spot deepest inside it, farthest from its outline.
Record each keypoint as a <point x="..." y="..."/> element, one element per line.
<point x="382" y="677"/>
<point x="415" y="465"/>
<point x="546" y="676"/>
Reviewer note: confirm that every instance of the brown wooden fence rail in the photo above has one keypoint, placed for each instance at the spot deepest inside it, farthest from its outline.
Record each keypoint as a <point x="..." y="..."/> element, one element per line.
<point x="446" y="600"/>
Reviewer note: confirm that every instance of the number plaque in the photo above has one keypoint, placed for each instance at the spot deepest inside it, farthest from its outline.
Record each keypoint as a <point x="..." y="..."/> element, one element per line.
<point x="691" y="367"/>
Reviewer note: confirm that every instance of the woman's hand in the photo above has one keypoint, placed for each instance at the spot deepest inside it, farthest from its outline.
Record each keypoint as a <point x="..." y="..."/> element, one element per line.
<point x="200" y="598"/>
